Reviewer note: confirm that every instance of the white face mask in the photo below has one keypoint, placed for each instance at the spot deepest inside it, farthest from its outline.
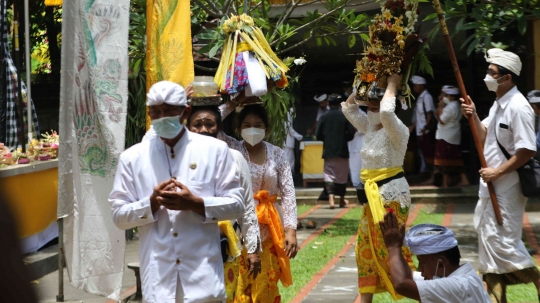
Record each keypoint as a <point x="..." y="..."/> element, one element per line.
<point x="373" y="118"/>
<point x="253" y="135"/>
<point x="446" y="100"/>
<point x="491" y="83"/>
<point x="168" y="127"/>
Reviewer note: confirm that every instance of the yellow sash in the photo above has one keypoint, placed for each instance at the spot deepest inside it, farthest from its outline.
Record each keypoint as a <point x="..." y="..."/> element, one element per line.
<point x="228" y="230"/>
<point x="267" y="214"/>
<point x="369" y="178"/>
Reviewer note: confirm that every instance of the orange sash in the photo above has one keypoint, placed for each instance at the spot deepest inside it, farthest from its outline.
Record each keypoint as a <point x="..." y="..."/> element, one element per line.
<point x="267" y="214"/>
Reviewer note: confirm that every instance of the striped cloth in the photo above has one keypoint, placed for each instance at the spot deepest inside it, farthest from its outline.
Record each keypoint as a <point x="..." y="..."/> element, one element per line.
<point x="13" y="136"/>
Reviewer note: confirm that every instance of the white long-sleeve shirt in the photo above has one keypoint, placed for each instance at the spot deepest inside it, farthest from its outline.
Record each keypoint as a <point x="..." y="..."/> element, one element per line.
<point x="178" y="246"/>
<point x="423" y="106"/>
<point x="249" y="224"/>
<point x="450" y="129"/>
<point x="462" y="286"/>
<point x="292" y="135"/>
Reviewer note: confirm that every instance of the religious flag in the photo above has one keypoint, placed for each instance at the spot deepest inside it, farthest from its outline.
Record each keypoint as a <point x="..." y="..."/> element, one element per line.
<point x="168" y="50"/>
<point x="93" y="104"/>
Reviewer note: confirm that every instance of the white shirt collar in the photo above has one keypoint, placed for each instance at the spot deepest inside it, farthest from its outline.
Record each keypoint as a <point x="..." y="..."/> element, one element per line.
<point x="463" y="270"/>
<point x="504" y="100"/>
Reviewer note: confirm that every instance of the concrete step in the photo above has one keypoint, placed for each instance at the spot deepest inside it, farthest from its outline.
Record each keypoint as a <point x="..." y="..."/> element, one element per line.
<point x="419" y="194"/>
<point x="42" y="262"/>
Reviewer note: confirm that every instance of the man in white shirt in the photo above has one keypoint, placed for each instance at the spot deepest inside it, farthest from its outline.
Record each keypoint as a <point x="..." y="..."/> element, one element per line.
<point x="503" y="258"/>
<point x="438" y="262"/>
<point x="423" y="117"/>
<point x="355" y="159"/>
<point x="175" y="187"/>
<point x="290" y="142"/>
<point x="323" y="108"/>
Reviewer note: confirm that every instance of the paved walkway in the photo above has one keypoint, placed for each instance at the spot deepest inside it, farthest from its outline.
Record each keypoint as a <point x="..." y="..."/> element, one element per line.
<point x="337" y="281"/>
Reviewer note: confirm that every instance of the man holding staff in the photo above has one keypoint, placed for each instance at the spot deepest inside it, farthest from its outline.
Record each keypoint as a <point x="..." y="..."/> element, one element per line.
<point x="503" y="258"/>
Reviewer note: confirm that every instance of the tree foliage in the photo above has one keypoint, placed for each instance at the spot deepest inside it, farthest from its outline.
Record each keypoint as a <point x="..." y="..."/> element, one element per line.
<point x="488" y="18"/>
<point x="136" y="115"/>
<point x="322" y="22"/>
<point x="45" y="36"/>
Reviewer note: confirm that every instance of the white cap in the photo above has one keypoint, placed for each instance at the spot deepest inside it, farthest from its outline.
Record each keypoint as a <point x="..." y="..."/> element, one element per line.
<point x="320" y="98"/>
<point x="418" y="80"/>
<point x="505" y="59"/>
<point x="426" y="239"/>
<point x="534" y="96"/>
<point x="450" y="90"/>
<point x="166" y="92"/>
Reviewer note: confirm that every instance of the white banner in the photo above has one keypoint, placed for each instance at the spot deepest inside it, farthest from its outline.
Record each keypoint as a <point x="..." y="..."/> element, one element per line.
<point x="93" y="103"/>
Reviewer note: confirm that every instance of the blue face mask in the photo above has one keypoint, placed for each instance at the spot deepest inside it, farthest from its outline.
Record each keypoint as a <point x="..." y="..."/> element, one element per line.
<point x="168" y="127"/>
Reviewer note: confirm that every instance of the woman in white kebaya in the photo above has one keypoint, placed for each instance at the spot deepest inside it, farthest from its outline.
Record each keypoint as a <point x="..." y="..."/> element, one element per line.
<point x="270" y="175"/>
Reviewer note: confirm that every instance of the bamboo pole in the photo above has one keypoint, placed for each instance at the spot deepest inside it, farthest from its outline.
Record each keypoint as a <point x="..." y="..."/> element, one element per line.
<point x="19" y="101"/>
<point x="472" y="123"/>
<point x="28" y="71"/>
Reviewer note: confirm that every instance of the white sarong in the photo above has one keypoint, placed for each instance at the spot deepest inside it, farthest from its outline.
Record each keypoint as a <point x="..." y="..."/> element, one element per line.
<point x="500" y="248"/>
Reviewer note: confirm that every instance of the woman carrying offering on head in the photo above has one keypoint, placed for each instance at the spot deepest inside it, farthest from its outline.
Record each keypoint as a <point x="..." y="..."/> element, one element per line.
<point x="383" y="152"/>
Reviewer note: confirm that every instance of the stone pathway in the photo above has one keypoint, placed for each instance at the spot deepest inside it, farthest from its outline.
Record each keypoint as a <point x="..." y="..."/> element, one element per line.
<point x="337" y="281"/>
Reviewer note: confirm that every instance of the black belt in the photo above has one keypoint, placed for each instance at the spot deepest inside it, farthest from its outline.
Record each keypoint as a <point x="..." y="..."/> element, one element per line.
<point x="383" y="182"/>
<point x="361" y="194"/>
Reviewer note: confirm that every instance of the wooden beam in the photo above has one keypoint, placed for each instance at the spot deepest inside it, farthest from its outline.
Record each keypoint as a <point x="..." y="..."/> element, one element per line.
<point x="536" y="51"/>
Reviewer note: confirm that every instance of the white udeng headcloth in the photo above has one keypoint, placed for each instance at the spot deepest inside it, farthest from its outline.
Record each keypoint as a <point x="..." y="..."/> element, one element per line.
<point x="418" y="80"/>
<point x="450" y="90"/>
<point x="321" y="98"/>
<point x="166" y="92"/>
<point x="505" y="59"/>
<point x="425" y="239"/>
<point x="534" y="96"/>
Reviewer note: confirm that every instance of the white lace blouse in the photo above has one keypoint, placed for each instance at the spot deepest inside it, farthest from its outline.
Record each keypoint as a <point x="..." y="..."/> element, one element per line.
<point x="277" y="179"/>
<point x="383" y="148"/>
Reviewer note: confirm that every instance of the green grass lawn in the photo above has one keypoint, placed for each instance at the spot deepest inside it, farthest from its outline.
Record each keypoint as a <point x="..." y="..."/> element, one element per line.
<point x="312" y="258"/>
<point x="430" y="214"/>
<point x="302" y="208"/>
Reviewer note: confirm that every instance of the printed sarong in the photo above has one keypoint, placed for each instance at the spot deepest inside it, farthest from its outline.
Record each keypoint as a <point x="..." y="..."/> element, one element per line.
<point x="264" y="289"/>
<point x="372" y="255"/>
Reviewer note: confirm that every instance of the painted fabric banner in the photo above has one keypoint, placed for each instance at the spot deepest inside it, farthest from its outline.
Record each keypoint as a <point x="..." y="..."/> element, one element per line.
<point x="168" y="51"/>
<point x="93" y="103"/>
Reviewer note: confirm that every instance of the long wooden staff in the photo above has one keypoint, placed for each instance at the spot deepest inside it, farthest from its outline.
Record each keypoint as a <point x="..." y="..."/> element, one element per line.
<point x="472" y="123"/>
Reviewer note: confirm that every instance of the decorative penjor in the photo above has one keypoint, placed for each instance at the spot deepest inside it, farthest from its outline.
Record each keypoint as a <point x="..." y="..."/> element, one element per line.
<point x="391" y="48"/>
<point x="248" y="63"/>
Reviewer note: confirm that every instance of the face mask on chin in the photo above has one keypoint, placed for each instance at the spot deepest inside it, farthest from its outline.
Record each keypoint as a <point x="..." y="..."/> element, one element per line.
<point x="491" y="83"/>
<point x="168" y="127"/>
<point x="373" y="118"/>
<point x="435" y="277"/>
<point x="253" y="135"/>
<point x="446" y="100"/>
